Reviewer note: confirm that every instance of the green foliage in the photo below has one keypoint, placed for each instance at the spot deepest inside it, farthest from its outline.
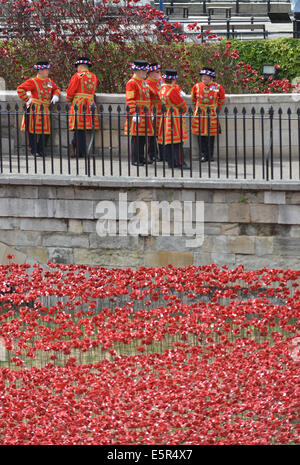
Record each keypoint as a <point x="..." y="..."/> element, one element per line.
<point x="284" y="52"/>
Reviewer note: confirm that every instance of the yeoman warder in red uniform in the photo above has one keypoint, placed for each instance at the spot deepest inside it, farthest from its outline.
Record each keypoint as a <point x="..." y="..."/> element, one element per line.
<point x="81" y="94"/>
<point x="38" y="93"/>
<point x="206" y="94"/>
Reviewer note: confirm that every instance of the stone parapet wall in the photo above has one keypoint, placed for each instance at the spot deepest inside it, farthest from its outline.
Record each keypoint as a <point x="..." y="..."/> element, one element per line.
<point x="238" y="137"/>
<point x="52" y="218"/>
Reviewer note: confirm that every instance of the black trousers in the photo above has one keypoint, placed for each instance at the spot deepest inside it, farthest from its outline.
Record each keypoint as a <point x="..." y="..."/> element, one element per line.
<point x="174" y="152"/>
<point x="138" y="149"/>
<point x="155" y="150"/>
<point x="37" y="143"/>
<point x="206" y="146"/>
<point x="79" y="142"/>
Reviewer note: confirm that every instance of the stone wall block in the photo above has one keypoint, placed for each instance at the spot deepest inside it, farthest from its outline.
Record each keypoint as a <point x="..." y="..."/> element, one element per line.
<point x="43" y="224"/>
<point x="287" y="246"/>
<point x="177" y="243"/>
<point x="215" y="244"/>
<point x="232" y="229"/>
<point x="15" y="207"/>
<point x="35" y="254"/>
<point x="202" y="258"/>
<point x="109" y="258"/>
<point x="81" y="209"/>
<point x="75" y="227"/>
<point x="264" y="213"/>
<point x="216" y="213"/>
<point x="264" y="246"/>
<point x="163" y="258"/>
<point x="9" y="223"/>
<point x="238" y="213"/>
<point x="295" y="231"/>
<point x="289" y="214"/>
<point x="241" y="245"/>
<point x="65" y="240"/>
<point x="113" y="242"/>
<point x="223" y="258"/>
<point x="275" y="197"/>
<point x="18" y="238"/>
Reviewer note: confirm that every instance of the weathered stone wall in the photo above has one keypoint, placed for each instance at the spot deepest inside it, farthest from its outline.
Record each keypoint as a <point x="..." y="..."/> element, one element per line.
<point x="54" y="218"/>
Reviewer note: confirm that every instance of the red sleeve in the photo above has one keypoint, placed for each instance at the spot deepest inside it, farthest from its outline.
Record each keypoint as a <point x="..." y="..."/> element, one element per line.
<point x="177" y="100"/>
<point x="23" y="88"/>
<point x="132" y="94"/>
<point x="72" y="88"/>
<point x="194" y="94"/>
<point x="95" y="81"/>
<point x="222" y="97"/>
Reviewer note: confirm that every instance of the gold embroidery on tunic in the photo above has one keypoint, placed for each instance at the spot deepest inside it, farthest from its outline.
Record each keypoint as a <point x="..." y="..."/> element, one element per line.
<point x="206" y="91"/>
<point x="130" y="94"/>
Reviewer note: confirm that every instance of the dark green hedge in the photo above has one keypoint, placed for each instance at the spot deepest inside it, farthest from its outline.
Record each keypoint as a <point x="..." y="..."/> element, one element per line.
<point x="284" y="52"/>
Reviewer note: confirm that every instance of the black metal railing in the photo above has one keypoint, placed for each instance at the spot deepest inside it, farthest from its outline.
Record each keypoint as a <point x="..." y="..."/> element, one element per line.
<point x="250" y="143"/>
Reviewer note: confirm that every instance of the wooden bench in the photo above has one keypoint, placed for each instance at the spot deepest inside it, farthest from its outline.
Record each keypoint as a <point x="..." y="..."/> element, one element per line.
<point x="232" y="30"/>
<point x="211" y="10"/>
<point x="170" y="11"/>
<point x="248" y="28"/>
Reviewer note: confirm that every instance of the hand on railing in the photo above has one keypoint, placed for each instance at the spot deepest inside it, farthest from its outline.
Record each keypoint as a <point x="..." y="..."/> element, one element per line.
<point x="28" y="102"/>
<point x="135" y="119"/>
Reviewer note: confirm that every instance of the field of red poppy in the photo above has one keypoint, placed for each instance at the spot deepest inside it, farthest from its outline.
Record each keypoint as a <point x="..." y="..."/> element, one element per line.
<point x="195" y="355"/>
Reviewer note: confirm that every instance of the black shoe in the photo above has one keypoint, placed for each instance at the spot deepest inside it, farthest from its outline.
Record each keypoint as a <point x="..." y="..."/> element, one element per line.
<point x="204" y="159"/>
<point x="185" y="166"/>
<point x="149" y="162"/>
<point x="138" y="163"/>
<point x="39" y="154"/>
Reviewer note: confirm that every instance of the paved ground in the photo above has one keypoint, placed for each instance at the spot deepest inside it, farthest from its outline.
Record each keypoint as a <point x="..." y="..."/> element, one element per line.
<point x="98" y="167"/>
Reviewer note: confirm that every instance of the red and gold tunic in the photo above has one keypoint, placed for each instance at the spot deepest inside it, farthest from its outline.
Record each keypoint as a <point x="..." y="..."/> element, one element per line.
<point x="171" y="98"/>
<point x="154" y="88"/>
<point x="81" y="91"/>
<point x="41" y="92"/>
<point x="204" y="96"/>
<point x="138" y="95"/>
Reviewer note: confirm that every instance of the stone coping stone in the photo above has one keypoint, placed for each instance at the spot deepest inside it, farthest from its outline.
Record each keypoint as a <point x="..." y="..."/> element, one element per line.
<point x="140" y="182"/>
<point x="259" y="99"/>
